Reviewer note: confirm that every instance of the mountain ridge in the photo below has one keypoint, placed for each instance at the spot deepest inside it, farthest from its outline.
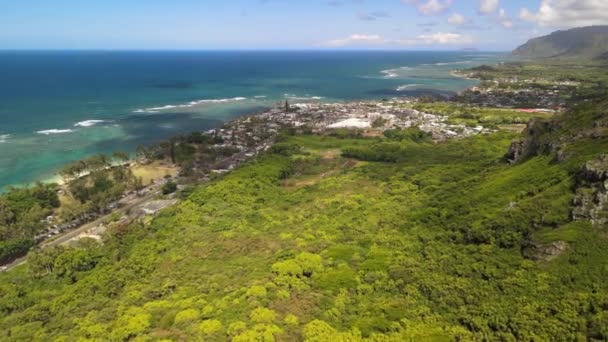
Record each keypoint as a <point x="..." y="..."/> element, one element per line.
<point x="590" y="43"/>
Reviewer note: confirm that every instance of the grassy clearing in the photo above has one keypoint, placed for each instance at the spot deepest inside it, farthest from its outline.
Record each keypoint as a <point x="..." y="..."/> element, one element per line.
<point x="474" y="116"/>
<point x="154" y="171"/>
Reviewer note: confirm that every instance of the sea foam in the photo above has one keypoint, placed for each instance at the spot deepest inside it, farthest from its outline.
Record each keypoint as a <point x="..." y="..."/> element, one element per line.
<point x="303" y="98"/>
<point x="188" y="105"/>
<point x="89" y="123"/>
<point x="408" y="86"/>
<point x="4" y="138"/>
<point x="390" y="73"/>
<point x="393" y="73"/>
<point x="54" y="131"/>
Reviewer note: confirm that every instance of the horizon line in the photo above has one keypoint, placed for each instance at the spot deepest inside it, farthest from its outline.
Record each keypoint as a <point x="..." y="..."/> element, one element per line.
<point x="243" y="49"/>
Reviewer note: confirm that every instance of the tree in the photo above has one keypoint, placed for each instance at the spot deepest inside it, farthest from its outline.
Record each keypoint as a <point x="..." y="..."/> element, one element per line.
<point x="78" y="188"/>
<point x="71" y="261"/>
<point x="121" y="174"/>
<point x="46" y="195"/>
<point x="97" y="162"/>
<point x="187" y="169"/>
<point x="134" y="322"/>
<point x="169" y="188"/>
<point x="167" y="149"/>
<point x="101" y="182"/>
<point x="7" y="215"/>
<point x="263" y="315"/>
<point x="41" y="262"/>
<point x="379" y="122"/>
<point x="138" y="183"/>
<point x="141" y="152"/>
<point x="121" y="156"/>
<point x="186" y="316"/>
<point x="211" y="326"/>
<point x="72" y="171"/>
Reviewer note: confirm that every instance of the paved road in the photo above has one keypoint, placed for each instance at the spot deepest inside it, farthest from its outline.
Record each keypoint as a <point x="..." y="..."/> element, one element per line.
<point x="64" y="238"/>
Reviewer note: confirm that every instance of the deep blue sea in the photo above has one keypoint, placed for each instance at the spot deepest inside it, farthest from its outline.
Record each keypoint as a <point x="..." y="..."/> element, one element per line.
<point x="57" y="107"/>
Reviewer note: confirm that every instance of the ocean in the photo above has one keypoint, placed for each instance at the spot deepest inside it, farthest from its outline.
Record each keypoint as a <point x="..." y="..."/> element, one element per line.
<point x="61" y="106"/>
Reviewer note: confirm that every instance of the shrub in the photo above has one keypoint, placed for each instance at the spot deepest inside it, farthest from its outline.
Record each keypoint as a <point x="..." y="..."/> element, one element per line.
<point x="260" y="332"/>
<point x="236" y="328"/>
<point x="263" y="315"/>
<point x="285" y="149"/>
<point x="131" y="324"/>
<point x="211" y="326"/>
<point x="318" y="330"/>
<point x="169" y="188"/>
<point x="188" y="315"/>
<point x="257" y="291"/>
<point x="414" y="134"/>
<point x="341" y="278"/>
<point x="310" y="263"/>
<point x="291" y="320"/>
<point x="287" y="267"/>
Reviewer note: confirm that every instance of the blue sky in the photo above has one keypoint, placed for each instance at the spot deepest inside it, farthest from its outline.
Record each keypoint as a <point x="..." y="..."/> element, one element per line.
<point x="288" y="24"/>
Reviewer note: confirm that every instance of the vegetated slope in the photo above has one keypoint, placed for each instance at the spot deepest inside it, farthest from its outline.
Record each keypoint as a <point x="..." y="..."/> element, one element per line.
<point x="333" y="238"/>
<point x="585" y="43"/>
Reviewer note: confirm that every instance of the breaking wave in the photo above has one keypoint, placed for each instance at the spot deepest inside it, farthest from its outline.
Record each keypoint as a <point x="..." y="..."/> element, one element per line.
<point x="408" y="86"/>
<point x="188" y="105"/>
<point x="55" y="131"/>
<point x="303" y="98"/>
<point x="88" y="123"/>
<point x="393" y="73"/>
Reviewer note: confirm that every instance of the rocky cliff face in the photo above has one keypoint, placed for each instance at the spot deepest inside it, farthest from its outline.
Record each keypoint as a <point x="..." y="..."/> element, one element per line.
<point x="591" y="194"/>
<point x="591" y="201"/>
<point x="532" y="143"/>
<point x="544" y="252"/>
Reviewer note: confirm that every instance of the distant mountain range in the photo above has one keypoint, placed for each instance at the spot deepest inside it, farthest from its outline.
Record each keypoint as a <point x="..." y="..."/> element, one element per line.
<point x="584" y="42"/>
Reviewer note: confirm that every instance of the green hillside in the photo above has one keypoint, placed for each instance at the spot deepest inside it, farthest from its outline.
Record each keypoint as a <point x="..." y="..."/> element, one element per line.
<point x="347" y="239"/>
<point x="582" y="43"/>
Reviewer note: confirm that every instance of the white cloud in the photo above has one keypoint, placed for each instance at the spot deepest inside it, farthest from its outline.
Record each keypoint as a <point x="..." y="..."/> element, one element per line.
<point x="568" y="13"/>
<point x="439" y="38"/>
<point x="357" y="39"/>
<point x="430" y="7"/>
<point x="433" y="7"/>
<point x="504" y="19"/>
<point x="526" y="15"/>
<point x="365" y="40"/>
<point x="488" y="6"/>
<point x="457" y="19"/>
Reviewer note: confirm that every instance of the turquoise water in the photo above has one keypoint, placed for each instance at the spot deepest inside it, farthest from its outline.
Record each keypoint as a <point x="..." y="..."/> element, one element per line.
<point x="57" y="107"/>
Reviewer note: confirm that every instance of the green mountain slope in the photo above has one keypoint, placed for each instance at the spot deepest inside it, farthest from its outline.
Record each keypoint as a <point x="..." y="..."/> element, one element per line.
<point x="324" y="241"/>
<point x="585" y="42"/>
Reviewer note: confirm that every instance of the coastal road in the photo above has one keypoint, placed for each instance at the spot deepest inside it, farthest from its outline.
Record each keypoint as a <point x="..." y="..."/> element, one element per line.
<point x="64" y="238"/>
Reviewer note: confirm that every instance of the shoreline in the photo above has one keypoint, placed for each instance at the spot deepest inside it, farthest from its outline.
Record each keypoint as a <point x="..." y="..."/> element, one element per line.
<point x="53" y="178"/>
<point x="243" y="138"/>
